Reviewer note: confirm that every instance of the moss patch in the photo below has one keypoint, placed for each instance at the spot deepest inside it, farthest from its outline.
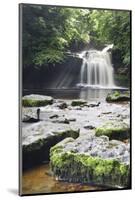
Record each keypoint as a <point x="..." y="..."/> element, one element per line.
<point x="78" y="103"/>
<point x="119" y="131"/>
<point x="117" y="96"/>
<point x="74" y="167"/>
<point x="36" y="100"/>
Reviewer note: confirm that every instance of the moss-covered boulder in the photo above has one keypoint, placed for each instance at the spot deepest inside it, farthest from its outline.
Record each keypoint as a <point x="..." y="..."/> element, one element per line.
<point x="35" y="100"/>
<point x="114" y="130"/>
<point x="92" y="160"/>
<point x="78" y="102"/>
<point x="117" y="96"/>
<point x="36" y="149"/>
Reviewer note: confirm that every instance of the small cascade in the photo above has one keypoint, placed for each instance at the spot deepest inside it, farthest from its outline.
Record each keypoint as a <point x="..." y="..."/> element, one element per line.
<point x="96" y="69"/>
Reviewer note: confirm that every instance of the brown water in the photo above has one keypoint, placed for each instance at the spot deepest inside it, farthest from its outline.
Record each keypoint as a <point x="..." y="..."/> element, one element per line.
<point x="40" y="180"/>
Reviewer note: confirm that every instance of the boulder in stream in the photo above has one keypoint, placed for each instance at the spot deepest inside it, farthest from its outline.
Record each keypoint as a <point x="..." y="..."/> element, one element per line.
<point x="114" y="130"/>
<point x="92" y="160"/>
<point x="79" y="102"/>
<point x="35" y="100"/>
<point x="117" y="96"/>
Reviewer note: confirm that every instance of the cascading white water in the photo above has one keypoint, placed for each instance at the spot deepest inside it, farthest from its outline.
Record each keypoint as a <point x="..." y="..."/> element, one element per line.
<point x="96" y="69"/>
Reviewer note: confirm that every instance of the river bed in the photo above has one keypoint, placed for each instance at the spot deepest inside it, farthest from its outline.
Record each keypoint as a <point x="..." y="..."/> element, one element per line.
<point x="40" y="180"/>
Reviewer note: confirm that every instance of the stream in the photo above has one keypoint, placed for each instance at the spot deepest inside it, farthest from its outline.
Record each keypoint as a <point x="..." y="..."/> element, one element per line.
<point x="40" y="180"/>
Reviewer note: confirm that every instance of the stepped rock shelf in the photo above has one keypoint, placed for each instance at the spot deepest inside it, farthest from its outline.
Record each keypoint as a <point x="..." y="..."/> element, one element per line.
<point x="83" y="140"/>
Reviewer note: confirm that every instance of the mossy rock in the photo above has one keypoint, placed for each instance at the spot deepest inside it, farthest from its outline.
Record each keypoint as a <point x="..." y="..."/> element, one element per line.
<point x="117" y="96"/>
<point x="114" y="130"/>
<point x="78" y="103"/>
<point x="69" y="166"/>
<point x="36" y="100"/>
<point x="38" y="151"/>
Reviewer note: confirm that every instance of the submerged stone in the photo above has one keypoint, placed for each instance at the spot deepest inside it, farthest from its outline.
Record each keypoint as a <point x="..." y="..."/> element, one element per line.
<point x="92" y="160"/>
<point x="114" y="130"/>
<point x="118" y="96"/>
<point x="35" y="100"/>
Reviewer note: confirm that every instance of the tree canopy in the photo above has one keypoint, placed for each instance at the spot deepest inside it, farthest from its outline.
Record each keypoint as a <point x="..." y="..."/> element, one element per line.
<point x="49" y="32"/>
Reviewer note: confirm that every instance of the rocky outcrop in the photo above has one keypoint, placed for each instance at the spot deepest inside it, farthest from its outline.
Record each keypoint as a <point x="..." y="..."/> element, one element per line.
<point x="93" y="160"/>
<point x="36" y="147"/>
<point x="114" y="130"/>
<point x="35" y="100"/>
<point x="118" y="96"/>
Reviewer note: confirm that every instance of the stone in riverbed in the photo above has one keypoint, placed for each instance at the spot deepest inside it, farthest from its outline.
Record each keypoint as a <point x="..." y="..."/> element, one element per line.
<point x="63" y="105"/>
<point x="114" y="130"/>
<point x="88" y="126"/>
<point x="35" y="100"/>
<point x="54" y="116"/>
<point x="78" y="102"/>
<point x="92" y="160"/>
<point x="64" y="120"/>
<point x="118" y="96"/>
<point x="36" y="151"/>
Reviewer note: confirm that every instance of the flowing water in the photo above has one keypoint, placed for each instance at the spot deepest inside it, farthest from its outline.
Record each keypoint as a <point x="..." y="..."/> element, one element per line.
<point x="96" y="69"/>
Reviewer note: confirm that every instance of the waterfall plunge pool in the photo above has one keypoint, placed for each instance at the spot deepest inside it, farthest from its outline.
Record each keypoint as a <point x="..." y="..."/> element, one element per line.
<point x="85" y="92"/>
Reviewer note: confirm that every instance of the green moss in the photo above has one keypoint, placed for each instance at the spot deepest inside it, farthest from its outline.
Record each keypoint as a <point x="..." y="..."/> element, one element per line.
<point x="117" y="96"/>
<point x="118" y="131"/>
<point x="87" y="169"/>
<point x="78" y="103"/>
<point x="68" y="133"/>
<point x="35" y="103"/>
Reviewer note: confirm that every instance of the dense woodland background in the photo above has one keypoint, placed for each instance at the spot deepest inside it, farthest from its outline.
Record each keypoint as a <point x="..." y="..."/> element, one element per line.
<point x="50" y="33"/>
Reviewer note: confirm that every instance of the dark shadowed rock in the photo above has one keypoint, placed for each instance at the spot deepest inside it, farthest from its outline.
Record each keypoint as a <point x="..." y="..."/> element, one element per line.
<point x="54" y="116"/>
<point x="87" y="126"/>
<point x="36" y="146"/>
<point x="63" y="105"/>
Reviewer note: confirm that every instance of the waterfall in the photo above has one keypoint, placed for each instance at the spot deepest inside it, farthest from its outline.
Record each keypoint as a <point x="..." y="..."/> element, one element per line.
<point x="96" y="69"/>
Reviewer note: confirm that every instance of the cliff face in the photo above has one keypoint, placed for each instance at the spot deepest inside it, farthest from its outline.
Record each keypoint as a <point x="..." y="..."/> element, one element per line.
<point x="66" y="74"/>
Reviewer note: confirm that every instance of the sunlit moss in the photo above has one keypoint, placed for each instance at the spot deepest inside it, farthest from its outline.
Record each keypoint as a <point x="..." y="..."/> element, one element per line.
<point x="74" y="167"/>
<point x="115" y="130"/>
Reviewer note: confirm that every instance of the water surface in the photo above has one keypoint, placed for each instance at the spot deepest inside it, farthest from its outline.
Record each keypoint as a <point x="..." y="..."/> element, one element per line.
<point x="40" y="180"/>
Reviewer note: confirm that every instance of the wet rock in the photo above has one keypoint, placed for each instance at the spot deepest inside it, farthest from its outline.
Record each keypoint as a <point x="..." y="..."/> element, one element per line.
<point x="35" y="100"/>
<point x="114" y="130"/>
<point x="63" y="105"/>
<point x="78" y="103"/>
<point x="65" y="121"/>
<point x="36" y="148"/>
<point x="93" y="160"/>
<point x="94" y="104"/>
<point x="87" y="126"/>
<point x="72" y="119"/>
<point x="54" y="116"/>
<point x="106" y="113"/>
<point x="118" y="96"/>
